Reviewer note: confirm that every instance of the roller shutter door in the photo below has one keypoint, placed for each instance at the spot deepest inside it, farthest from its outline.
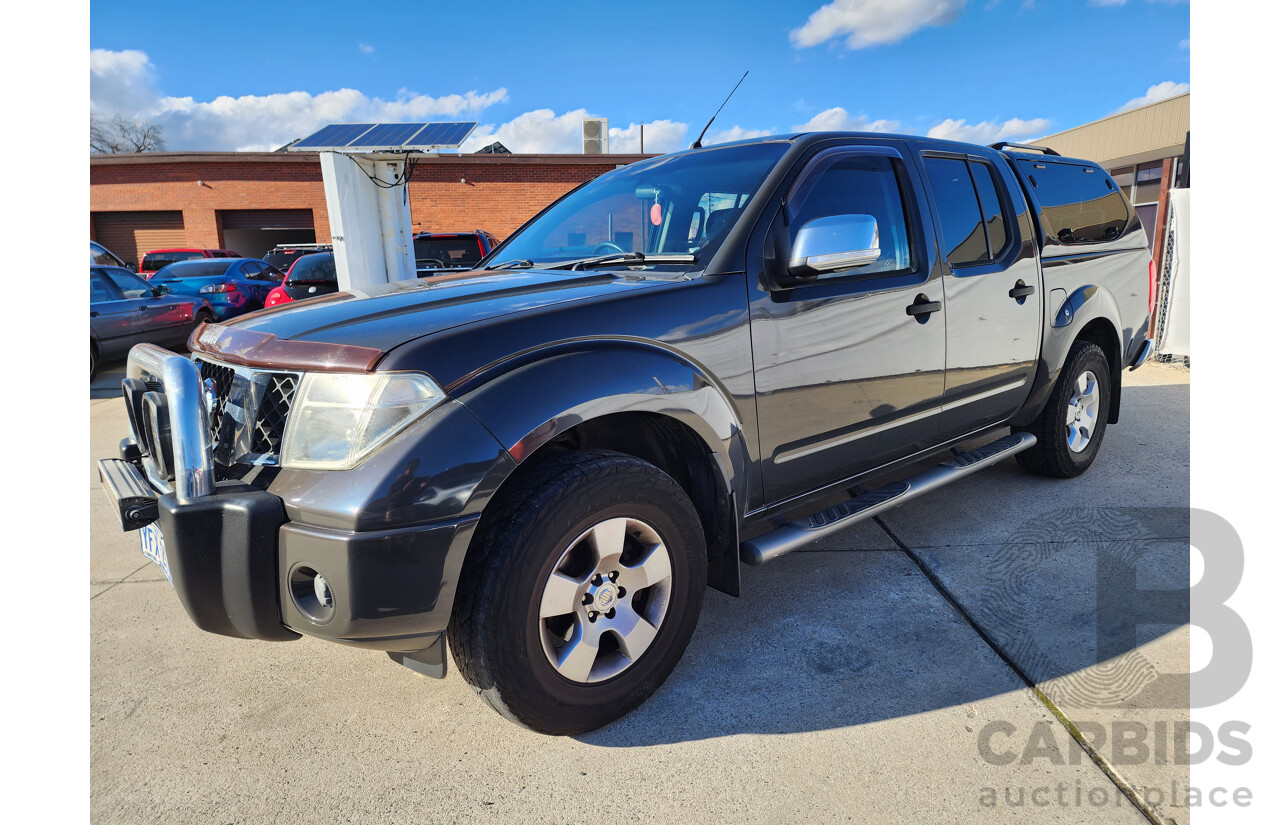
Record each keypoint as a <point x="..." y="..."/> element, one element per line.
<point x="267" y="219"/>
<point x="131" y="234"/>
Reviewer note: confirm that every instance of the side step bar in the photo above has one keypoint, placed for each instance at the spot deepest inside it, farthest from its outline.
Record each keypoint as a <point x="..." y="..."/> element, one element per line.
<point x="796" y="534"/>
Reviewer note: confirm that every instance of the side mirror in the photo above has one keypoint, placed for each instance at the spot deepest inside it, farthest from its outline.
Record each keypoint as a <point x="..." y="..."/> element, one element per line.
<point x="834" y="243"/>
<point x="160" y="289"/>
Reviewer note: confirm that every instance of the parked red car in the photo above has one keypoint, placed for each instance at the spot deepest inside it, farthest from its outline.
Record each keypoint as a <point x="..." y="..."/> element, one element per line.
<point x="157" y="259"/>
<point x="309" y="276"/>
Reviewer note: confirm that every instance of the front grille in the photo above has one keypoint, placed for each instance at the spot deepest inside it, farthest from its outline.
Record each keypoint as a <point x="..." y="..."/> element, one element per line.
<point x="273" y="411"/>
<point x="221" y="425"/>
<point x="248" y="412"/>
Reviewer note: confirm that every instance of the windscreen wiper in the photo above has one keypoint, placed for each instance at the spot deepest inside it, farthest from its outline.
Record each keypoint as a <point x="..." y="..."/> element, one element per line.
<point x="515" y="263"/>
<point x="626" y="259"/>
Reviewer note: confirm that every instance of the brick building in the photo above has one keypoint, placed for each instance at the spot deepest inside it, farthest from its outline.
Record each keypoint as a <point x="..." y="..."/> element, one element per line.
<point x="250" y="201"/>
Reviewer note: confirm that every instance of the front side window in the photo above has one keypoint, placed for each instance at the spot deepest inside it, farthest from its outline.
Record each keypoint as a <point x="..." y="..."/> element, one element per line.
<point x="130" y="285"/>
<point x="675" y="204"/>
<point x="1080" y="204"/>
<point x="860" y="184"/>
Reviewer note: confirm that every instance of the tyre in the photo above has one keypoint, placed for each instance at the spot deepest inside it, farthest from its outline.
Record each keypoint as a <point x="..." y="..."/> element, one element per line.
<point x="580" y="592"/>
<point x="204" y="316"/>
<point x="93" y="361"/>
<point x="1070" y="428"/>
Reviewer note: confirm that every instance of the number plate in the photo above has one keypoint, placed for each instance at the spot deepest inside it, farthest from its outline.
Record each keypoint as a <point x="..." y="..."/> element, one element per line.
<point x="153" y="548"/>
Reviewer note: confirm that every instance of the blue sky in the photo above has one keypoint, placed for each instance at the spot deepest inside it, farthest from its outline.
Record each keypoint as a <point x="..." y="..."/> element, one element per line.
<point x="238" y="77"/>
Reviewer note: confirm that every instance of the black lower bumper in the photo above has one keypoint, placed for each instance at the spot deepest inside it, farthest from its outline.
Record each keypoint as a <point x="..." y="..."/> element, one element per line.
<point x="242" y="569"/>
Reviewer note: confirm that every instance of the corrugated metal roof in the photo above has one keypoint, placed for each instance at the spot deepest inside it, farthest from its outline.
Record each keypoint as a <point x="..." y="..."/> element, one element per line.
<point x="1157" y="130"/>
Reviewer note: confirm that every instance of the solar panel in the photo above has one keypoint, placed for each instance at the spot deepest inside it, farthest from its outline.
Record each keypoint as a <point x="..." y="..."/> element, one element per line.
<point x="333" y="135"/>
<point x="386" y="137"/>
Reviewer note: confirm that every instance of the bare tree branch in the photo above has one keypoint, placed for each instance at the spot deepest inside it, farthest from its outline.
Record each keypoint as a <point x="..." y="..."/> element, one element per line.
<point x="121" y="134"/>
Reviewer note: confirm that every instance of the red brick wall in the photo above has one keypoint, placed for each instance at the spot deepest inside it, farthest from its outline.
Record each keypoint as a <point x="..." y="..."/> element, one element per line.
<point x="500" y="192"/>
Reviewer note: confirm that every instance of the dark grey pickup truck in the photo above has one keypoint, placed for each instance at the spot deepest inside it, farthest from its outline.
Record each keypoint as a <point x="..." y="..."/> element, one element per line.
<point x="546" y="460"/>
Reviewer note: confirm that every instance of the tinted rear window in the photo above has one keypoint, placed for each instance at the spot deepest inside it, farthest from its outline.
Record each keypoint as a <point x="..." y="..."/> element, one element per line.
<point x="156" y="260"/>
<point x="281" y="259"/>
<point x="314" y="269"/>
<point x="1080" y="204"/>
<point x="460" y="251"/>
<point x="195" y="269"/>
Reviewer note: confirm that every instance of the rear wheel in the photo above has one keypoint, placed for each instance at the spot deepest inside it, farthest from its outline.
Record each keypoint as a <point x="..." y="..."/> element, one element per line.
<point x="580" y="592"/>
<point x="1070" y="428"/>
<point x="93" y="360"/>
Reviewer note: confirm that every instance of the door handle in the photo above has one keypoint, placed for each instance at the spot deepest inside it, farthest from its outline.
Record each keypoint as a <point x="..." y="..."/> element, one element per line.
<point x="1021" y="290"/>
<point x="922" y="308"/>
<point x="93" y="314"/>
<point x="142" y="309"/>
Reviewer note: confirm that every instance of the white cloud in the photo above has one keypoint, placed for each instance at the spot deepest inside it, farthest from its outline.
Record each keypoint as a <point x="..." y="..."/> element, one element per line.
<point x="873" y="22"/>
<point x="988" y="131"/>
<point x="1184" y="44"/>
<point x="659" y="136"/>
<point x="733" y="133"/>
<point x="120" y="82"/>
<point x="1160" y="91"/>
<point x="1106" y="2"/>
<point x="542" y="131"/>
<point x="365" y="48"/>
<point x="124" y="83"/>
<point x="836" y="119"/>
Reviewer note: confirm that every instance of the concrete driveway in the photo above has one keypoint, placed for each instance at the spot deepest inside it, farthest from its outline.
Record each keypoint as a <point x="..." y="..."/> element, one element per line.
<point x="930" y="666"/>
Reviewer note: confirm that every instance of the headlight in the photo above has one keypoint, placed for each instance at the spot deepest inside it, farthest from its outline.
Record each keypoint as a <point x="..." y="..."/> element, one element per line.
<point x="337" y="419"/>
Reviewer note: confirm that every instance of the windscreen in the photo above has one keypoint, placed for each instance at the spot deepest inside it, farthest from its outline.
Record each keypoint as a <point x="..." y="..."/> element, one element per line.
<point x="314" y="269"/>
<point x="676" y="204"/>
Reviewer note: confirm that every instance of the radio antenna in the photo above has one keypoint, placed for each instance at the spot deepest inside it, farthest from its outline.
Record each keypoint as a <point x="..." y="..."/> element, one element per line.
<point x="697" y="144"/>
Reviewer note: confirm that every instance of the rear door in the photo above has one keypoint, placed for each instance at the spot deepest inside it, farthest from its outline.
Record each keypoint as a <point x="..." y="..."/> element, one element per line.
<point x="992" y="284"/>
<point x="846" y="379"/>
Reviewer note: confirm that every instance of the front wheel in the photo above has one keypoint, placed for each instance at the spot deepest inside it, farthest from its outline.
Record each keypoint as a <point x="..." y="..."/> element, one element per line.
<point x="1069" y="429"/>
<point x="580" y="593"/>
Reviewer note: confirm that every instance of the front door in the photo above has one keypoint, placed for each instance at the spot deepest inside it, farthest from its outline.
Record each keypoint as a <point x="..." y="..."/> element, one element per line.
<point x="846" y="378"/>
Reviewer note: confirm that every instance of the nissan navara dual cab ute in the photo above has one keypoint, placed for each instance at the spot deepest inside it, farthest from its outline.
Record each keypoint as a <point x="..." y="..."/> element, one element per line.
<point x="542" y="463"/>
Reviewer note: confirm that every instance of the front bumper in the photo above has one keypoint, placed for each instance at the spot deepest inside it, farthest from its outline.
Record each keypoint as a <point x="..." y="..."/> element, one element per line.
<point x="242" y="568"/>
<point x="236" y="561"/>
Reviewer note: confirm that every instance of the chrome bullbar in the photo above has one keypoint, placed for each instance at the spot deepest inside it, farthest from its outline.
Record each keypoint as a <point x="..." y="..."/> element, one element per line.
<point x="188" y="422"/>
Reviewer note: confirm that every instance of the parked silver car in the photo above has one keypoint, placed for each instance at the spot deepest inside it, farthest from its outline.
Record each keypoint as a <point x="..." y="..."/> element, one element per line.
<point x="125" y="310"/>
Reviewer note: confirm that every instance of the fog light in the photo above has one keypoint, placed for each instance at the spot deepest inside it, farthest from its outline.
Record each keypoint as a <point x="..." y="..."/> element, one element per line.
<point x="323" y="594"/>
<point x="312" y="594"/>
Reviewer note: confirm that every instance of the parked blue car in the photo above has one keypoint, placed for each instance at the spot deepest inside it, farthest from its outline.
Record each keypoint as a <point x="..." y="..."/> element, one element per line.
<point x="233" y="286"/>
